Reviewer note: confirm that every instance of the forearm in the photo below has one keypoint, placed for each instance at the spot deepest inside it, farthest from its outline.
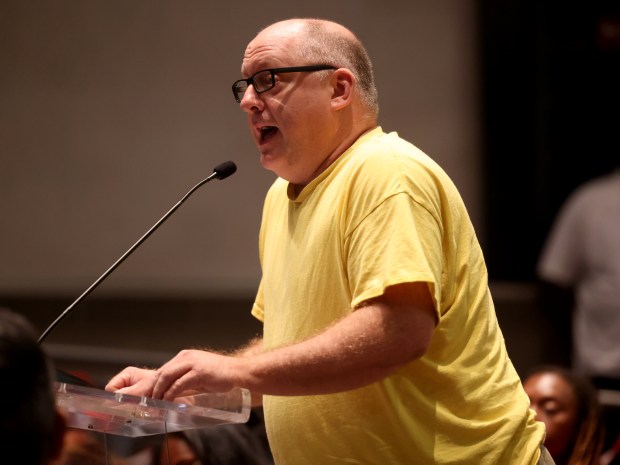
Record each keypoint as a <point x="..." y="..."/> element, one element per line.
<point x="315" y="366"/>
<point x="253" y="347"/>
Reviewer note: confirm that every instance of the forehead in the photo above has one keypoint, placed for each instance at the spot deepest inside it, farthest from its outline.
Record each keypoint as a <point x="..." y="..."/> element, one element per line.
<point x="273" y="47"/>
<point x="550" y="385"/>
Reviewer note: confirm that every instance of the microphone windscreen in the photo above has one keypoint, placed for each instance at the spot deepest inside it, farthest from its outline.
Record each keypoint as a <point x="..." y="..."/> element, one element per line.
<point x="223" y="170"/>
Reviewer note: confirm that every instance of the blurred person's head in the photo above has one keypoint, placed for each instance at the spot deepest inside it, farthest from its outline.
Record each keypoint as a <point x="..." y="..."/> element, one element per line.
<point x="31" y="428"/>
<point x="568" y="406"/>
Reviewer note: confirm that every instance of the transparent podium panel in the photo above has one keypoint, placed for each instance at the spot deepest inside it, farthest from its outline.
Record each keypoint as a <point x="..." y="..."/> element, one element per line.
<point x="133" y="416"/>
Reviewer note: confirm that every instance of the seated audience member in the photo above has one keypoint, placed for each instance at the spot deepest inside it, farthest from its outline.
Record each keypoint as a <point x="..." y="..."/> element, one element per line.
<point x="568" y="406"/>
<point x="31" y="428"/>
<point x="235" y="444"/>
<point x="84" y="447"/>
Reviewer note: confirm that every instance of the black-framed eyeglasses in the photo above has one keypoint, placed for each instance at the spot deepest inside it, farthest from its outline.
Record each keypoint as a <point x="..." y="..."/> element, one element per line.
<point x="264" y="79"/>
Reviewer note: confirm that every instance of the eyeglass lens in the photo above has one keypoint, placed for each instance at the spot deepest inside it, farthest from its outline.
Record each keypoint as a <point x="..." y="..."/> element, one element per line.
<point x="262" y="81"/>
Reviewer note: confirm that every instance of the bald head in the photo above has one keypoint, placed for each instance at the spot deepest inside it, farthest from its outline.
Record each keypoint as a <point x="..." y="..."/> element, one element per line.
<point x="322" y="41"/>
<point x="300" y="25"/>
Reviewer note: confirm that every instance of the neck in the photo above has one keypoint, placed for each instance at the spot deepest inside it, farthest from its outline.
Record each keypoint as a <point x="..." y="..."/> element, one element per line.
<point x="338" y="150"/>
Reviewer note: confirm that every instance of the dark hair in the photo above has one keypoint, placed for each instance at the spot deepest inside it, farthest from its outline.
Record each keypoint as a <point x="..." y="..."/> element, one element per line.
<point x="588" y="434"/>
<point x="28" y="413"/>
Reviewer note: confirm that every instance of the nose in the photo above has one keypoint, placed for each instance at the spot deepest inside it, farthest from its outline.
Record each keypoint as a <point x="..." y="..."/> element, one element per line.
<point x="251" y="101"/>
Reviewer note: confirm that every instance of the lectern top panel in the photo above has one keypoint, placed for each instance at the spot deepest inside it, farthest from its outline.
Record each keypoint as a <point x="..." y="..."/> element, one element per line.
<point x="135" y="416"/>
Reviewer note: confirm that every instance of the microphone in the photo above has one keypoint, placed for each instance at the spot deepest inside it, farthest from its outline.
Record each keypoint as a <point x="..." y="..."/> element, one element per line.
<point x="221" y="171"/>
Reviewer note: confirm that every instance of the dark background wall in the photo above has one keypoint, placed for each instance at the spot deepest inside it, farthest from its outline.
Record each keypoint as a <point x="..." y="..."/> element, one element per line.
<point x="112" y="110"/>
<point x="550" y="100"/>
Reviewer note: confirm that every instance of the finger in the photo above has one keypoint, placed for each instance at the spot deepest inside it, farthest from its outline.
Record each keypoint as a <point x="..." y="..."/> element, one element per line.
<point x="179" y="387"/>
<point x="167" y="377"/>
<point x="142" y="388"/>
<point x="120" y="380"/>
<point x="131" y="380"/>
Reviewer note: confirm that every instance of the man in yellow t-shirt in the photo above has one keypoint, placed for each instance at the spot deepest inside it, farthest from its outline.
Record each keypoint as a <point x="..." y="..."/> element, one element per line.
<point x="380" y="341"/>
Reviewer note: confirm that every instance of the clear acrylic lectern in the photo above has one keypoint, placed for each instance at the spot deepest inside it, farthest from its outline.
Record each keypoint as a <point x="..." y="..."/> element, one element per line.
<point x="111" y="428"/>
<point x="120" y="418"/>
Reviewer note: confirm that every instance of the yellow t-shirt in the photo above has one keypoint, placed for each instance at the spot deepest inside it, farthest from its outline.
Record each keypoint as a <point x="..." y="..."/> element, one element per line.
<point x="384" y="213"/>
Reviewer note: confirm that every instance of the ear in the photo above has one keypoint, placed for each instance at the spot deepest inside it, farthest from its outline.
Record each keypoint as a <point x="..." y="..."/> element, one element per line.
<point x="343" y="82"/>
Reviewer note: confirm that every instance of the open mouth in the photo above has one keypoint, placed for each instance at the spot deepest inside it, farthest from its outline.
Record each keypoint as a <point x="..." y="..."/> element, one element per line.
<point x="267" y="132"/>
